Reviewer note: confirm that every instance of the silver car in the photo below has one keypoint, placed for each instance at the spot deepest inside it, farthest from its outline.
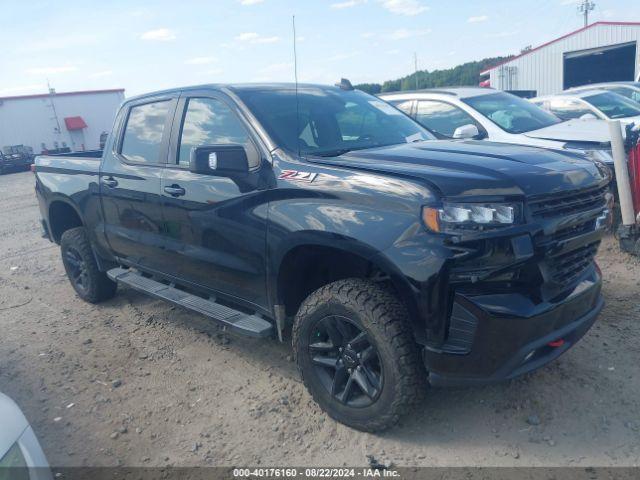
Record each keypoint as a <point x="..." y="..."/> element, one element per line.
<point x="21" y="457"/>
<point x="591" y="103"/>
<point x="631" y="90"/>
<point x="488" y="114"/>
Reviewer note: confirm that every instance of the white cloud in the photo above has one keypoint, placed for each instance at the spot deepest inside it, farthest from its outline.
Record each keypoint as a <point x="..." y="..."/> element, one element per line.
<point x="404" y="7"/>
<point x="277" y="68"/>
<point x="367" y="35"/>
<point x="253" y="37"/>
<point x="214" y="71"/>
<point x="403" y="33"/>
<point x="51" y="70"/>
<point x="478" y="19"/>
<point x="200" y="60"/>
<point x="22" y="89"/>
<point x="250" y="2"/>
<point x="59" y="42"/>
<point x="342" y="56"/>
<point x="506" y="33"/>
<point x="104" y="73"/>
<point x="347" y="4"/>
<point x="159" y="34"/>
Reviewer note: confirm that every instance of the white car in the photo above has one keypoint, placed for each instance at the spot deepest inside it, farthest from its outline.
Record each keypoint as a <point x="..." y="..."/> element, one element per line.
<point x="21" y="457"/>
<point x="591" y="103"/>
<point x="484" y="113"/>
<point x="631" y="90"/>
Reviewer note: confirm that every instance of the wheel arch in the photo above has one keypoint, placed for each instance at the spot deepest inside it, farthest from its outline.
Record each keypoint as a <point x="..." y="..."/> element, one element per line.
<point x="62" y="216"/>
<point x="309" y="264"/>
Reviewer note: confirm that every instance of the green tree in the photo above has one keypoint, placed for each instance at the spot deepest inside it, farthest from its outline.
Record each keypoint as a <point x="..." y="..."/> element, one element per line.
<point x="467" y="74"/>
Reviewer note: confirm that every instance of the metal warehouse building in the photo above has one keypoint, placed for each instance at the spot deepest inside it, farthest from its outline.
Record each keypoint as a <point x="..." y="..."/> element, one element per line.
<point x="600" y="52"/>
<point x="58" y="121"/>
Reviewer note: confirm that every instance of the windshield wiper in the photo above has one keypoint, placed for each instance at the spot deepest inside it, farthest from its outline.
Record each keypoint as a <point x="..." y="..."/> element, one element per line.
<point x="334" y="153"/>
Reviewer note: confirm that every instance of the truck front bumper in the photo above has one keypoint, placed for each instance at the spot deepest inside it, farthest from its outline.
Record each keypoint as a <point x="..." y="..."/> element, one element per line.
<point x="509" y="334"/>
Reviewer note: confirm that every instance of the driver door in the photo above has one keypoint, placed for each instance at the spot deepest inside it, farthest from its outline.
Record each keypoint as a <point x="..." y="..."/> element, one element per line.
<point x="215" y="225"/>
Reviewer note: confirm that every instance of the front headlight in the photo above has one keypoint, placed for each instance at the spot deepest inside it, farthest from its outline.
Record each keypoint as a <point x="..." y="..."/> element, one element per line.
<point x="13" y="466"/>
<point x="603" y="156"/>
<point x="456" y="217"/>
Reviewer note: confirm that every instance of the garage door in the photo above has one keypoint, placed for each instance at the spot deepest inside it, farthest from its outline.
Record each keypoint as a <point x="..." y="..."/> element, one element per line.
<point x="605" y="64"/>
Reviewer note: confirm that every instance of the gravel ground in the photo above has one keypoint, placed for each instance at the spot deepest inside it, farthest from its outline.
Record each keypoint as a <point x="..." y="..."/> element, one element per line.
<point x="135" y="381"/>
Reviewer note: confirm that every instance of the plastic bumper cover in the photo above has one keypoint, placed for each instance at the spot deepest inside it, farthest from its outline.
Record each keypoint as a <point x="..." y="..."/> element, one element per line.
<point x="513" y="336"/>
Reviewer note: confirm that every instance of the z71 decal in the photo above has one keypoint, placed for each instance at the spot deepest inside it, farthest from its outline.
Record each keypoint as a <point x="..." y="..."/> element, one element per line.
<point x="299" y="176"/>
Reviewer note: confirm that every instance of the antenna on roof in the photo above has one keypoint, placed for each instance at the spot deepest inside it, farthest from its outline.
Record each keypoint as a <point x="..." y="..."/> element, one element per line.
<point x="295" y="76"/>
<point x="344" y="84"/>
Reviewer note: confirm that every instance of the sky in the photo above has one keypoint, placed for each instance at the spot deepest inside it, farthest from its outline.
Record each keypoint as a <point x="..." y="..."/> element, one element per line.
<point x="143" y="46"/>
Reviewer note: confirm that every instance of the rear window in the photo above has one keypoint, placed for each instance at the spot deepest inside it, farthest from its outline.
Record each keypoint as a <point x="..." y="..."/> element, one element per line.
<point x="143" y="132"/>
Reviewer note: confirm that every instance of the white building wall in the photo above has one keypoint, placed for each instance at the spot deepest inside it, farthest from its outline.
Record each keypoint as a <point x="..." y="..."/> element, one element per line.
<point x="30" y="120"/>
<point x="542" y="70"/>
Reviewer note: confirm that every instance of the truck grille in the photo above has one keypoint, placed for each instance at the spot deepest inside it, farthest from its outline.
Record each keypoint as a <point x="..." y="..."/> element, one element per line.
<point x="557" y="205"/>
<point x="566" y="267"/>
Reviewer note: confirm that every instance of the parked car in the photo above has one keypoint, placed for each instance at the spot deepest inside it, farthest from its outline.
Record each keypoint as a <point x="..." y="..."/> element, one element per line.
<point x="326" y="210"/>
<point x="601" y="104"/>
<point x="21" y="457"/>
<point x="15" y="158"/>
<point x="487" y="114"/>
<point x="631" y="90"/>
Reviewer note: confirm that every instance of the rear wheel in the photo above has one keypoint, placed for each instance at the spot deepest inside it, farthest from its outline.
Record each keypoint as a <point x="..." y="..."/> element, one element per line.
<point x="356" y="354"/>
<point x="87" y="280"/>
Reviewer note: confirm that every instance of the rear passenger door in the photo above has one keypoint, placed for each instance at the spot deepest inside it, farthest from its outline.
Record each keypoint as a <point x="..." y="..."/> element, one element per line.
<point x="216" y="224"/>
<point x="130" y="182"/>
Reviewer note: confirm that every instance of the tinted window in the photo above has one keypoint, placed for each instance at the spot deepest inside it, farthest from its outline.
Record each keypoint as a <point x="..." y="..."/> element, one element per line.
<point x="329" y="121"/>
<point x="614" y="105"/>
<point x="143" y="133"/>
<point x="567" y="108"/>
<point x="630" y="93"/>
<point x="442" y="118"/>
<point x="210" y="122"/>
<point x="511" y="113"/>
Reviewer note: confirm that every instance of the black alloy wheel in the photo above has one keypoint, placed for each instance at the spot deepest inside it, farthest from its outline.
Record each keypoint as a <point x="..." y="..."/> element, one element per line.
<point x="346" y="361"/>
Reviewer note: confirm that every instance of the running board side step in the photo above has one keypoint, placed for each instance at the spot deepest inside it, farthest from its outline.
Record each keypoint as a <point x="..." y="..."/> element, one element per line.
<point x="234" y="320"/>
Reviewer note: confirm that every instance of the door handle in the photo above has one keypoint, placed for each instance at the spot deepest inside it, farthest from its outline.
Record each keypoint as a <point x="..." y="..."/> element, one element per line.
<point x="109" y="182"/>
<point x="174" y="190"/>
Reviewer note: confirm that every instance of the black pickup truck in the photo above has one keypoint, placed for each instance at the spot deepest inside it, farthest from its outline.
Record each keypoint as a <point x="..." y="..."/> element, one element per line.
<point x="393" y="260"/>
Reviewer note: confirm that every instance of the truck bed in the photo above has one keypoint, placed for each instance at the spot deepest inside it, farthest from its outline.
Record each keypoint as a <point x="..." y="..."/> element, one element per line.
<point x="87" y="162"/>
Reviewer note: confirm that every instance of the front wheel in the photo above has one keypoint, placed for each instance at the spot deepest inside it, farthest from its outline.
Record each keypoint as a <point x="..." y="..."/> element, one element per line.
<point x="87" y="280"/>
<point x="356" y="354"/>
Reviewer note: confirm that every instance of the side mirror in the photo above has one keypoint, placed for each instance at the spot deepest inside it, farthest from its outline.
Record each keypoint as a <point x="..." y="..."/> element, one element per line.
<point x="218" y="160"/>
<point x="588" y="116"/>
<point x="466" y="131"/>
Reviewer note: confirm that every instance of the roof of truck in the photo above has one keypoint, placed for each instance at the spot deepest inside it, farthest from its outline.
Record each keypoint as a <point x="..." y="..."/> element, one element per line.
<point x="235" y="87"/>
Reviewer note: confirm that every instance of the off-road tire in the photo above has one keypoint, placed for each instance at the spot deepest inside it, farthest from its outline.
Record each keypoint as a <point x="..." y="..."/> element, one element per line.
<point x="98" y="286"/>
<point x="377" y="312"/>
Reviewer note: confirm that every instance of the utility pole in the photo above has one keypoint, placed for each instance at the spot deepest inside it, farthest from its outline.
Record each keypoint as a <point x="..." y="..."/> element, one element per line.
<point x="415" y="66"/>
<point x="584" y="8"/>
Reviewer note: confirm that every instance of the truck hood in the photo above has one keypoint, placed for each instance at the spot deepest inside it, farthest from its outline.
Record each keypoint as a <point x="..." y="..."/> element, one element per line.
<point x="591" y="131"/>
<point x="478" y="168"/>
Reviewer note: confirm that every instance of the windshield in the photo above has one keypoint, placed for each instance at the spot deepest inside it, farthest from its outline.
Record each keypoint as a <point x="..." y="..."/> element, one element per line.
<point x="329" y="121"/>
<point x="511" y="113"/>
<point x="613" y="105"/>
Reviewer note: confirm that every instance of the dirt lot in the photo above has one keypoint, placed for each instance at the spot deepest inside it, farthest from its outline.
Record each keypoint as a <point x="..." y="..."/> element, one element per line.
<point x="136" y="382"/>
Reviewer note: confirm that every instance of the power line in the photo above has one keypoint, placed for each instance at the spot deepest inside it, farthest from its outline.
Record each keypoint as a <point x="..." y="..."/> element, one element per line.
<point x="584" y="8"/>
